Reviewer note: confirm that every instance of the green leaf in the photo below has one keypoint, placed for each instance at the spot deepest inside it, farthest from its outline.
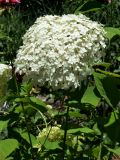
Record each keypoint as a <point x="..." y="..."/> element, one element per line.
<point x="107" y="85"/>
<point x="118" y="58"/>
<point x="96" y="129"/>
<point x="90" y="6"/>
<point x="37" y="101"/>
<point x="7" y="146"/>
<point x="52" y="145"/>
<point x="91" y="96"/>
<point x="116" y="150"/>
<point x="25" y="89"/>
<point x="74" y="103"/>
<point x="96" y="151"/>
<point x="90" y="10"/>
<point x="22" y="99"/>
<point x="38" y="104"/>
<point x="74" y="113"/>
<point x="3" y="125"/>
<point x="108" y="73"/>
<point x="83" y="130"/>
<point x="9" y="158"/>
<point x="113" y="118"/>
<point x="2" y="53"/>
<point x="112" y="129"/>
<point x="103" y="64"/>
<point x="25" y="136"/>
<point x="79" y="8"/>
<point x="2" y="35"/>
<point x="111" y="32"/>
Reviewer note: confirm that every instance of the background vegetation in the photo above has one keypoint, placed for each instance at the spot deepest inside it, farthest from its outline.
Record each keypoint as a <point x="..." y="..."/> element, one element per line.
<point x="88" y="119"/>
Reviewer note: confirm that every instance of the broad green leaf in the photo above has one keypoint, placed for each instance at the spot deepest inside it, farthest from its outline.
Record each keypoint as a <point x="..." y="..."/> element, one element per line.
<point x="91" y="96"/>
<point x="74" y="114"/>
<point x="118" y="58"/>
<point x="112" y="130"/>
<point x="37" y="101"/>
<point x="96" y="129"/>
<point x="2" y="35"/>
<point x="107" y="85"/>
<point x="3" y="125"/>
<point x="7" y="146"/>
<point x="83" y="130"/>
<point x="25" y="136"/>
<point x="116" y="150"/>
<point x="111" y="32"/>
<point x="52" y="145"/>
<point x="112" y="119"/>
<point x="96" y="151"/>
<point x="22" y="99"/>
<point x="38" y="104"/>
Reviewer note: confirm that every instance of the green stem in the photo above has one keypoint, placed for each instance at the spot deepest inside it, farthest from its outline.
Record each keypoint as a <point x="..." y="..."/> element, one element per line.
<point x="99" y="155"/>
<point x="31" y="146"/>
<point x="18" y="93"/>
<point x="65" y="132"/>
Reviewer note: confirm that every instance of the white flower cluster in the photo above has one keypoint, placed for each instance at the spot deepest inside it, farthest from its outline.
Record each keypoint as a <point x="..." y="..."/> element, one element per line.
<point x="5" y="74"/>
<point x="59" y="51"/>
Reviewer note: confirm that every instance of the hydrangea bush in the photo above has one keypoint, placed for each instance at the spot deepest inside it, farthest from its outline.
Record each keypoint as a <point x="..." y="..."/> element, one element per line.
<point x="59" y="51"/>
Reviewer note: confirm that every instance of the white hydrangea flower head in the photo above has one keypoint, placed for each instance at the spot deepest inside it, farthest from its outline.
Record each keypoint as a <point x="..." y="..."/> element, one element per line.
<point x="5" y="74"/>
<point x="59" y="51"/>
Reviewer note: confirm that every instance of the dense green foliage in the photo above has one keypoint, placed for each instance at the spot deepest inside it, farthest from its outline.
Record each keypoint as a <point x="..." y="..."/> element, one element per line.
<point x="88" y="118"/>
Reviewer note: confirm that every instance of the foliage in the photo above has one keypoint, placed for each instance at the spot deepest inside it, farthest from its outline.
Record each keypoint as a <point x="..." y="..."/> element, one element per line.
<point x="36" y="123"/>
<point x="11" y="30"/>
<point x="85" y="121"/>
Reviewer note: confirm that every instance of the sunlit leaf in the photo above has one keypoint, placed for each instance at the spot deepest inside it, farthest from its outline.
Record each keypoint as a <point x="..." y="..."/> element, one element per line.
<point x="115" y="150"/>
<point x="91" y="96"/>
<point x="96" y="129"/>
<point x="111" y="32"/>
<point x="51" y="145"/>
<point x="118" y="58"/>
<point x="7" y="146"/>
<point x="112" y="119"/>
<point x="83" y="130"/>
<point x="3" y="125"/>
<point x="25" y="136"/>
<point x="38" y="104"/>
<point x="37" y="101"/>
